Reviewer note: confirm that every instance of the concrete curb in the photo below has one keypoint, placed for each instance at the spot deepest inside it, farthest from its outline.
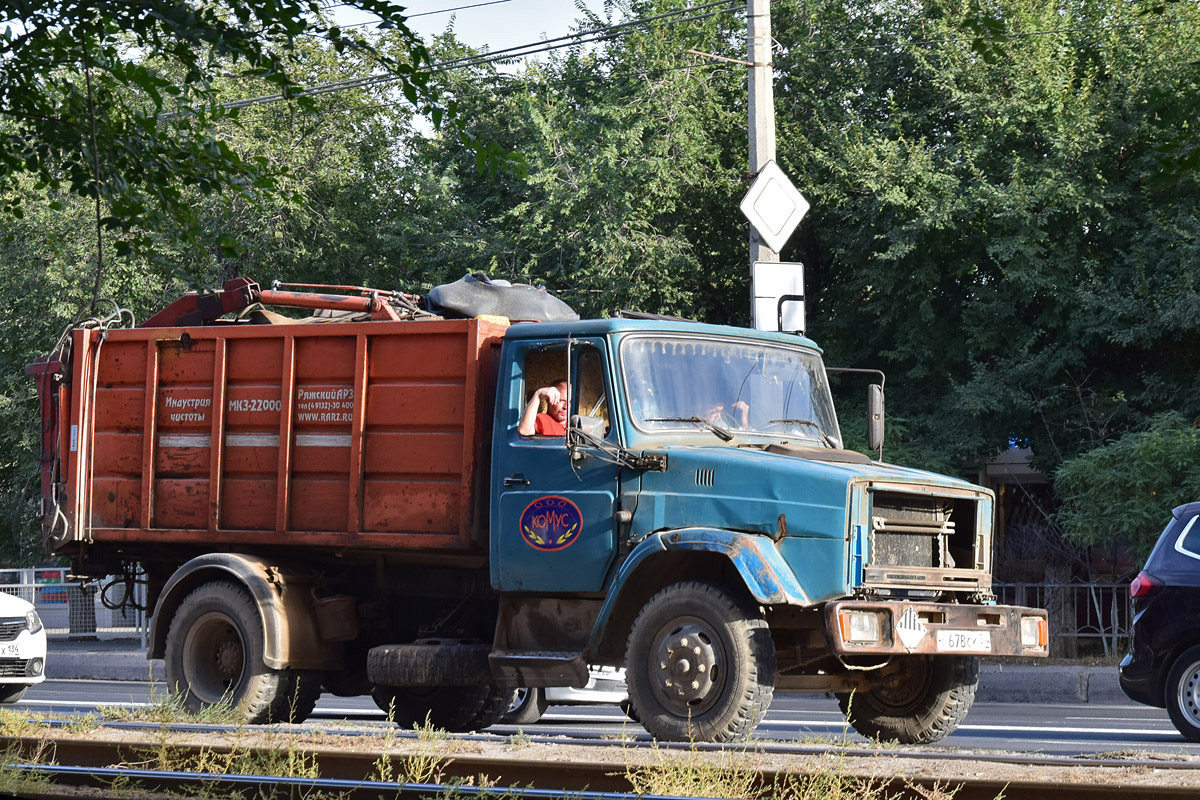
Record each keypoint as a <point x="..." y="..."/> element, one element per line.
<point x="1049" y="684"/>
<point x="107" y="660"/>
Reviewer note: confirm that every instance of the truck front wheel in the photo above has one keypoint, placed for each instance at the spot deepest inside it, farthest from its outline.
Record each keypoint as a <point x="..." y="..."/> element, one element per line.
<point x="922" y="702"/>
<point x="700" y="664"/>
<point x="214" y="655"/>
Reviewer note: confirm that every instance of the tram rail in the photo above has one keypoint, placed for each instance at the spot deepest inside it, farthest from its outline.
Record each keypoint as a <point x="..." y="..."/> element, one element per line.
<point x="348" y="763"/>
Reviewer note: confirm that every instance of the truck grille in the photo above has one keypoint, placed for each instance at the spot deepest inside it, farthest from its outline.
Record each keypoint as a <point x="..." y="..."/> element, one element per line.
<point x="926" y="540"/>
<point x="908" y="530"/>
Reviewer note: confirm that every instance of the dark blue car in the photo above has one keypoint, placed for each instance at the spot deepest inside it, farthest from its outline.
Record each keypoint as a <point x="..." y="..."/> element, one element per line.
<point x="1162" y="667"/>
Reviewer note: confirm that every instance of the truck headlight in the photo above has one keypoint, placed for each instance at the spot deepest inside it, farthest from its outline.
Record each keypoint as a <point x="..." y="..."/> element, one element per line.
<point x="33" y="622"/>
<point x="1035" y="633"/>
<point x="863" y="627"/>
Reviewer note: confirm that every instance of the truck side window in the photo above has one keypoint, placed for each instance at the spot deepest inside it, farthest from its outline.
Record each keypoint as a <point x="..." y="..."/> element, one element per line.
<point x="542" y="368"/>
<point x="592" y="400"/>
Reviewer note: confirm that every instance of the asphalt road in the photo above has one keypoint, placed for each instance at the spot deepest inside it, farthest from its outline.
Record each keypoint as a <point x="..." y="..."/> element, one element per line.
<point x="1060" y="729"/>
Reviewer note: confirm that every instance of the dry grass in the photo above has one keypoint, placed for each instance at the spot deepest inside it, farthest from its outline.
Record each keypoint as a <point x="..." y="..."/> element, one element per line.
<point x="739" y="773"/>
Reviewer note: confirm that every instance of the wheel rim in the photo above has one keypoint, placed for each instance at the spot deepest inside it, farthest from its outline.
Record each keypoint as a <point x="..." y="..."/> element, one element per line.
<point x="1189" y="694"/>
<point x="688" y="668"/>
<point x="214" y="658"/>
<point x="520" y="696"/>
<point x="906" y="689"/>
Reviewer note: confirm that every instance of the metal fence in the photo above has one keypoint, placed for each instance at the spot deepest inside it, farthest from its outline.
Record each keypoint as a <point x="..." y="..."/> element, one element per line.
<point x="1084" y="617"/>
<point x="69" y="609"/>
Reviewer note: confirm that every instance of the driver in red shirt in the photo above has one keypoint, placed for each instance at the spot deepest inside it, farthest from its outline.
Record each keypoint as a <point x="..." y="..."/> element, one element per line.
<point x="552" y="422"/>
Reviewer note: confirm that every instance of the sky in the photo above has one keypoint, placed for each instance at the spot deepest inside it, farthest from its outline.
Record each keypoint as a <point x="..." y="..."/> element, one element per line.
<point x="497" y="24"/>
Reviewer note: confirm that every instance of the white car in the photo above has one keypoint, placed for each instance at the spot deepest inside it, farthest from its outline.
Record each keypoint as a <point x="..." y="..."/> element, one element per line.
<point x="22" y="647"/>
<point x="605" y="685"/>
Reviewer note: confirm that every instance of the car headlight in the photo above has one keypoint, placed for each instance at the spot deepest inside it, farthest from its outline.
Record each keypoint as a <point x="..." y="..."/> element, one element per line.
<point x="33" y="622"/>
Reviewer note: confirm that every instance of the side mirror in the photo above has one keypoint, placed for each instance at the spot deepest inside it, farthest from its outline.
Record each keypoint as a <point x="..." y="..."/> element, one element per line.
<point x="587" y="427"/>
<point x="583" y="431"/>
<point x="875" y="418"/>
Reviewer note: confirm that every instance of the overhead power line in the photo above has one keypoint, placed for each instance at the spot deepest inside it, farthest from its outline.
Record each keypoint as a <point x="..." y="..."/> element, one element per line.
<point x="331" y="6"/>
<point x="425" y="13"/>
<point x="508" y="53"/>
<point x="517" y="84"/>
<point x="456" y="8"/>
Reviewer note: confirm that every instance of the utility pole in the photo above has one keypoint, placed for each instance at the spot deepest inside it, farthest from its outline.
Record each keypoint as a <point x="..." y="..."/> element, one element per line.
<point x="761" y="111"/>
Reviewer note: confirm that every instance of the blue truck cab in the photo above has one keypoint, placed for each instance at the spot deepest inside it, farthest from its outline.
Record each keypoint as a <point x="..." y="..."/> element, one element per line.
<point x="702" y="525"/>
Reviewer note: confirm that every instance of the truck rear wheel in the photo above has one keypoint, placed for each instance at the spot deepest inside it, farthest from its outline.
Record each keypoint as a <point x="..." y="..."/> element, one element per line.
<point x="922" y="703"/>
<point x="214" y="655"/>
<point x="700" y="664"/>
<point x="456" y="709"/>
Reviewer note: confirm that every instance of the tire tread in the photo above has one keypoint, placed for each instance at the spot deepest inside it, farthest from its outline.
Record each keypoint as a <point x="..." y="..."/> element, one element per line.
<point x="746" y="623"/>
<point x="457" y="709"/>
<point x="937" y="721"/>
<point x="269" y="695"/>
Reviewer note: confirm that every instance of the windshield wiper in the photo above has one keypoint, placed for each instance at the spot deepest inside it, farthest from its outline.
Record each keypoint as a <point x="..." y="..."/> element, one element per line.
<point x="717" y="430"/>
<point x="798" y="421"/>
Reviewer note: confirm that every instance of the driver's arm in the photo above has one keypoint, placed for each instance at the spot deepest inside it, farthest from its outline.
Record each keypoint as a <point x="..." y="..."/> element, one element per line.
<point x="528" y="424"/>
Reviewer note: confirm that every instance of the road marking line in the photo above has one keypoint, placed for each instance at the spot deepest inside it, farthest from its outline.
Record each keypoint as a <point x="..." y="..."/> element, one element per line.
<point x="1056" y="729"/>
<point x="87" y="703"/>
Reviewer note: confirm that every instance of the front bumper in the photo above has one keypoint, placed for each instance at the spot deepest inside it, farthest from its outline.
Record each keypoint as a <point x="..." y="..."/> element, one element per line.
<point x="903" y="627"/>
<point x="23" y="660"/>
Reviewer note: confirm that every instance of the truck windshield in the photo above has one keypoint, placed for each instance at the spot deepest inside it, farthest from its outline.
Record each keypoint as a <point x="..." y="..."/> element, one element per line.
<point x="728" y="387"/>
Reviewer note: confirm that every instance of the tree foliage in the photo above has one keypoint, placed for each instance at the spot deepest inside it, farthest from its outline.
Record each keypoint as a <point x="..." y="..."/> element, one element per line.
<point x="1124" y="490"/>
<point x="635" y="157"/>
<point x="122" y="103"/>
<point x="1004" y="196"/>
<point x="992" y="222"/>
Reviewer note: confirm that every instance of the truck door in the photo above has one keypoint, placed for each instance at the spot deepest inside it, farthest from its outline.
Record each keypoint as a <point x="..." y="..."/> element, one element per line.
<point x="552" y="519"/>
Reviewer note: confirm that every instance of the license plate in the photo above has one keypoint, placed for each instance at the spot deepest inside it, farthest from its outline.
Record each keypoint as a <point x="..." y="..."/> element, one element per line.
<point x="964" y="641"/>
<point x="9" y="650"/>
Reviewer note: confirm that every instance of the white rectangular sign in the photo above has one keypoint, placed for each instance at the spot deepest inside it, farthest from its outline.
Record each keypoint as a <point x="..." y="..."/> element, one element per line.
<point x="778" y="291"/>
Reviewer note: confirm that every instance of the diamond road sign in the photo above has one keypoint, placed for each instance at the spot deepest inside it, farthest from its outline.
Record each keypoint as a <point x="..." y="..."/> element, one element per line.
<point x="774" y="206"/>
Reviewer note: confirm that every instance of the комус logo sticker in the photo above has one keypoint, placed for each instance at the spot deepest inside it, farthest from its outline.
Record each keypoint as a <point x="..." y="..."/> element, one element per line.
<point x="551" y="523"/>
